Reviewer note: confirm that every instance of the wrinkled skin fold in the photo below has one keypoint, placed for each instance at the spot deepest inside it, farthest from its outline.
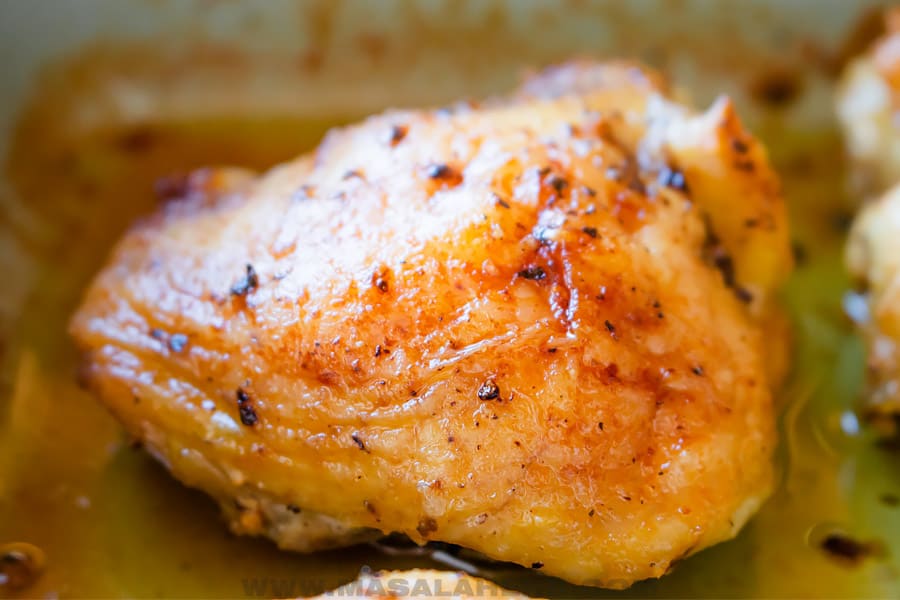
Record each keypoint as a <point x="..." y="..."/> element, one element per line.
<point x="542" y="327"/>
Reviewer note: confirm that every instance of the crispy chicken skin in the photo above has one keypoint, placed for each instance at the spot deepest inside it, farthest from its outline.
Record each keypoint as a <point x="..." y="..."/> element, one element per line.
<point x="422" y="583"/>
<point x="537" y="327"/>
<point x="868" y="101"/>
<point x="873" y="257"/>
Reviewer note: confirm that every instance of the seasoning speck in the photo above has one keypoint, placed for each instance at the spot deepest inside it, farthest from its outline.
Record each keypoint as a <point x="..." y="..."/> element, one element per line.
<point x="610" y="328"/>
<point x="396" y="134"/>
<point x="534" y="273"/>
<point x="426" y="526"/>
<point x="591" y="231"/>
<point x="488" y="390"/>
<point x="358" y="441"/>
<point x="245" y="408"/>
<point x="247" y="284"/>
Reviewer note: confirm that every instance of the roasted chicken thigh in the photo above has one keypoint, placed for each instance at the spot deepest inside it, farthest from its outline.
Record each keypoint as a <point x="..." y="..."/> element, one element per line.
<point x="868" y="106"/>
<point x="543" y="327"/>
<point x="868" y="100"/>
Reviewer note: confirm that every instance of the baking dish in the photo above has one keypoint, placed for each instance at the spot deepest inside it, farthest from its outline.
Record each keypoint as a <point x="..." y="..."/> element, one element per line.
<point x="102" y="89"/>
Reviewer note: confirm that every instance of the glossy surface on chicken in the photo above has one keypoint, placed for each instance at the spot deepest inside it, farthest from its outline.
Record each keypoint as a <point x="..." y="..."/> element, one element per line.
<point x="873" y="257"/>
<point x="537" y="328"/>
<point x="868" y="99"/>
<point x="420" y="583"/>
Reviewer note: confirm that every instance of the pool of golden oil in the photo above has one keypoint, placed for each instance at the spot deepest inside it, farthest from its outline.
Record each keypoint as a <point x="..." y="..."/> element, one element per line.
<point x="112" y="523"/>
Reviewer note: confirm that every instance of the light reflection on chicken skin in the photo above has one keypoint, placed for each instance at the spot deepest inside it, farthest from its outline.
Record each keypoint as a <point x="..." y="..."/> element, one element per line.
<point x="538" y="327"/>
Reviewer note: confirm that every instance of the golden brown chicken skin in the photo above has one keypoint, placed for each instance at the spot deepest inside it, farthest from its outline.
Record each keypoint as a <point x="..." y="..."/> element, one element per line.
<point x="873" y="258"/>
<point x="868" y="107"/>
<point x="535" y="327"/>
<point x="868" y="101"/>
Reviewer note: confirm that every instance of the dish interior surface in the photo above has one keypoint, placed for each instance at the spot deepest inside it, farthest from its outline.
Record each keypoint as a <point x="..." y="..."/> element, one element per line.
<point x="113" y="523"/>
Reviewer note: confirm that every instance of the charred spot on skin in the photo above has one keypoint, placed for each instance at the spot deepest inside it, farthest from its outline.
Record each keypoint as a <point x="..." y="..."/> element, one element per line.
<point x="245" y="408"/>
<point x="739" y="146"/>
<point x="537" y="565"/>
<point x="715" y="253"/>
<point x="743" y="294"/>
<point x="612" y="369"/>
<point x="557" y="183"/>
<point x="533" y="273"/>
<point x="444" y="174"/>
<point x="293" y="508"/>
<point x="611" y="329"/>
<point x="849" y="551"/>
<point x="396" y="134"/>
<point x="247" y="284"/>
<point x="426" y="526"/>
<point x="698" y="371"/>
<point x="590" y="231"/>
<point x="488" y="390"/>
<point x="328" y="377"/>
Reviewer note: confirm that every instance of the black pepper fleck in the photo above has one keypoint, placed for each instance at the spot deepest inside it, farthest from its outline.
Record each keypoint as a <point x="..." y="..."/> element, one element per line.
<point x="534" y="273"/>
<point x="356" y="439"/>
<point x="488" y="390"/>
<point x="248" y="415"/>
<point x="439" y="171"/>
<point x="246" y="285"/>
<point x="610" y="328"/>
<point x="245" y="408"/>
<point x="426" y="526"/>
<point x="396" y="134"/>
<point x="591" y="231"/>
